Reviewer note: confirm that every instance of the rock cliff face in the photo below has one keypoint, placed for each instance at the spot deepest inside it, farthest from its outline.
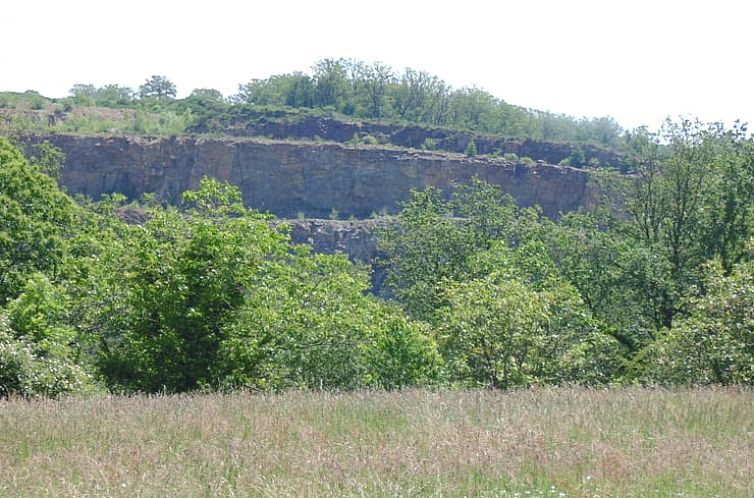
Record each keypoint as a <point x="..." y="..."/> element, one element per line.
<point x="287" y="179"/>
<point x="357" y="239"/>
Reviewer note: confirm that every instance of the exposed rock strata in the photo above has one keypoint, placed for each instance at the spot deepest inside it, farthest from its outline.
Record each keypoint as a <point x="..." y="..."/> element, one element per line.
<point x="357" y="239"/>
<point x="288" y="179"/>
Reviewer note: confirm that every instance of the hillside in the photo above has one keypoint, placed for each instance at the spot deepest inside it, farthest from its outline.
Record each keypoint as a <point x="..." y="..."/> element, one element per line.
<point x="499" y="270"/>
<point x="347" y="140"/>
<point x="305" y="162"/>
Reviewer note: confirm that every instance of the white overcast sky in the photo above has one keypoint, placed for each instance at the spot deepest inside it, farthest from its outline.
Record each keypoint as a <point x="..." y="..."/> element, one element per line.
<point x="638" y="61"/>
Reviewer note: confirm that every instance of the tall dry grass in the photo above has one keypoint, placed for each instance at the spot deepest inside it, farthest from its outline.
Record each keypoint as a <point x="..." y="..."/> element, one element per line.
<point x="554" y="442"/>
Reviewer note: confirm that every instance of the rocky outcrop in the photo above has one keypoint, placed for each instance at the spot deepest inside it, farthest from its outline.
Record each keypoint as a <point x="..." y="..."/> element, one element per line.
<point x="357" y="239"/>
<point x="289" y="179"/>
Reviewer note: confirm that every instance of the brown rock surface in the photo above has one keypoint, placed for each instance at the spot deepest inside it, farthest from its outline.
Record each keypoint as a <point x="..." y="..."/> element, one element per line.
<point x="288" y="178"/>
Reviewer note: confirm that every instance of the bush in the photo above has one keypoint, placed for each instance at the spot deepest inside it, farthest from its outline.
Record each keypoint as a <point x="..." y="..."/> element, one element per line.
<point x="471" y="149"/>
<point x="26" y="371"/>
<point x="305" y="331"/>
<point x="429" y="144"/>
<point x="369" y="140"/>
<point x="714" y="344"/>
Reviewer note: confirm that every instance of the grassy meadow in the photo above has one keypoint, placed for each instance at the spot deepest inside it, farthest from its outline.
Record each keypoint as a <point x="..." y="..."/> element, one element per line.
<point x="567" y="442"/>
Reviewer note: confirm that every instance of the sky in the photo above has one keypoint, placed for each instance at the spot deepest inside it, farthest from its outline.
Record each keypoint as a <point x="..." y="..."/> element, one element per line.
<point x="638" y="61"/>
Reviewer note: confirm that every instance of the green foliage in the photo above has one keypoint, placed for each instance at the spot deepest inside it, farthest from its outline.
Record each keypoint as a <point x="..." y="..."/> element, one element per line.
<point x="35" y="220"/>
<point x="215" y="297"/>
<point x="425" y="248"/>
<point x="312" y="326"/>
<point x="481" y="271"/>
<point x="369" y="140"/>
<point x="48" y="159"/>
<point x="333" y="87"/>
<point x="28" y="370"/>
<point x="157" y="87"/>
<point x="40" y="315"/>
<point x="471" y="150"/>
<point x="689" y="207"/>
<point x="491" y="328"/>
<point x="209" y="295"/>
<point x="355" y="140"/>
<point x="182" y="276"/>
<point x="593" y="254"/>
<point x="377" y="91"/>
<point x="108" y="95"/>
<point x="429" y="144"/>
<point x="714" y="343"/>
<point x="521" y="324"/>
<point x="164" y="123"/>
<point x="295" y="90"/>
<point x="576" y="158"/>
<point x="434" y="241"/>
<point x="207" y="95"/>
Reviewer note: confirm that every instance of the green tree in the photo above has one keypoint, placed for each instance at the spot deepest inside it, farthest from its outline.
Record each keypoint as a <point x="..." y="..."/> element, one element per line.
<point x="35" y="221"/>
<point x="475" y="109"/>
<point x="209" y="94"/>
<point x="714" y="343"/>
<point x="83" y="92"/>
<point x="312" y="326"/>
<point x="471" y="148"/>
<point x="116" y="95"/>
<point x="372" y="83"/>
<point x="27" y="370"/>
<point x="500" y="332"/>
<point x="157" y="87"/>
<point x="692" y="203"/>
<point x="48" y="159"/>
<point x="424" y="249"/>
<point x="421" y="97"/>
<point x="184" y="276"/>
<point x="331" y="83"/>
<point x="434" y="240"/>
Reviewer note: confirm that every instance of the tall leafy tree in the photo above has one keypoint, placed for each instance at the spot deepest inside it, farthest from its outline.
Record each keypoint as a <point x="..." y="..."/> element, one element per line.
<point x="435" y="239"/>
<point x="372" y="82"/>
<point x="157" y="87"/>
<point x="331" y="83"/>
<point x="36" y="218"/>
<point x="184" y="275"/>
<point x="692" y="203"/>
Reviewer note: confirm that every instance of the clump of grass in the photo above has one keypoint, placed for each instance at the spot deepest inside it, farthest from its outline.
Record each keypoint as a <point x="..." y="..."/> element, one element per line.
<point x="546" y="443"/>
<point x="166" y="122"/>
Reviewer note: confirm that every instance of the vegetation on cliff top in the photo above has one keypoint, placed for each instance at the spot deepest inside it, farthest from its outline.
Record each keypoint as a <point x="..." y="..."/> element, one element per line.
<point x="337" y="89"/>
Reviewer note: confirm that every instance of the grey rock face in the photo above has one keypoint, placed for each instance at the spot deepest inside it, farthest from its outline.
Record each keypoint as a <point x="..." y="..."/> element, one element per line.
<point x="288" y="179"/>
